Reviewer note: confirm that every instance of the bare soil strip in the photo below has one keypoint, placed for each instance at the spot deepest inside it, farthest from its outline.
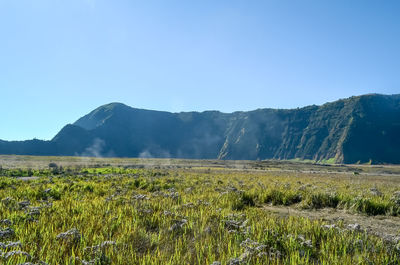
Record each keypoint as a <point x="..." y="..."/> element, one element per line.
<point x="386" y="227"/>
<point x="27" y="178"/>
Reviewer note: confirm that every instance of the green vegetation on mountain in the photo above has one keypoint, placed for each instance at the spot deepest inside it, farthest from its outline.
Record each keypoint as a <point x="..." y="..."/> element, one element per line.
<point x="362" y="129"/>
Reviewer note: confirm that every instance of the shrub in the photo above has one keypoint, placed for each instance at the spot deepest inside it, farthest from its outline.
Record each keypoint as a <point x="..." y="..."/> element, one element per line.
<point x="371" y="207"/>
<point x="53" y="165"/>
<point x="89" y="188"/>
<point x="322" y="200"/>
<point x="278" y="197"/>
<point x="244" y="200"/>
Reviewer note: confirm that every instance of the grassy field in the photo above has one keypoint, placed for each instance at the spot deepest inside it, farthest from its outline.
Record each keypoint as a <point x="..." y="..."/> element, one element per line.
<point x="73" y="210"/>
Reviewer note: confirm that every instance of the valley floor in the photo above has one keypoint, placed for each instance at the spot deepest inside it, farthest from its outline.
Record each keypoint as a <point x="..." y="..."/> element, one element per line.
<point x="74" y="210"/>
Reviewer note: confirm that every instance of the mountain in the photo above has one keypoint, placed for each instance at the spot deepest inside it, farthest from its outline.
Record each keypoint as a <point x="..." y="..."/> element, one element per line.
<point x="359" y="129"/>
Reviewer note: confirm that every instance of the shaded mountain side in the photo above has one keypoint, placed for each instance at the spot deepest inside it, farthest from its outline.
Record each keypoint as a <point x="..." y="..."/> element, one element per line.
<point x="143" y="133"/>
<point x="374" y="133"/>
<point x="357" y="129"/>
<point x="28" y="147"/>
<point x="265" y="134"/>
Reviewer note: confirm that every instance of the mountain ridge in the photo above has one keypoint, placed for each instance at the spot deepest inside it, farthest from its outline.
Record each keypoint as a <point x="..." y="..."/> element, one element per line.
<point x="335" y="131"/>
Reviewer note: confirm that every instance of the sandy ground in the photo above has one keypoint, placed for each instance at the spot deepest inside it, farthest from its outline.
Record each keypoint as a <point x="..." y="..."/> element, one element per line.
<point x="386" y="227"/>
<point x="27" y="178"/>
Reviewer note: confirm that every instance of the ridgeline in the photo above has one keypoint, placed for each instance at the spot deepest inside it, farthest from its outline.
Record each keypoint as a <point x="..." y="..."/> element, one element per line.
<point x="361" y="129"/>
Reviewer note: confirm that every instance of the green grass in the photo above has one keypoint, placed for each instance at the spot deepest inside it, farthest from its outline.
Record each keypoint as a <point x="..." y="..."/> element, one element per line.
<point x="331" y="160"/>
<point x="188" y="216"/>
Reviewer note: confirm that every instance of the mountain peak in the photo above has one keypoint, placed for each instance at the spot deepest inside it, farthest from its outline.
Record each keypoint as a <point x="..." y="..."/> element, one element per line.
<point x="335" y="131"/>
<point x="100" y="115"/>
<point x="113" y="105"/>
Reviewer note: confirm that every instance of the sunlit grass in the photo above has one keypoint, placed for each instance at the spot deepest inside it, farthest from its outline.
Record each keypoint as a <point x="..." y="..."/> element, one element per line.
<point x="182" y="216"/>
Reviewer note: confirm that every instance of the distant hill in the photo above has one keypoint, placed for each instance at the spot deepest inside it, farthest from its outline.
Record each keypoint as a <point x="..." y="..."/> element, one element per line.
<point x="357" y="129"/>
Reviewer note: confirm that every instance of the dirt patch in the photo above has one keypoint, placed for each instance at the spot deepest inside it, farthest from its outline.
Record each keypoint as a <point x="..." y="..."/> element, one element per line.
<point x="27" y="178"/>
<point x="386" y="227"/>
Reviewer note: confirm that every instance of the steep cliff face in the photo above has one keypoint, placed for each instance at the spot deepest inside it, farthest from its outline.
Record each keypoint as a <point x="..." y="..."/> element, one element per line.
<point x="358" y="129"/>
<point x="312" y="132"/>
<point x="326" y="130"/>
<point x="374" y="134"/>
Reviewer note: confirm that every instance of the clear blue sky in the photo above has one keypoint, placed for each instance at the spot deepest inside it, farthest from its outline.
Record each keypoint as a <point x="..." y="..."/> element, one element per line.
<point x="61" y="59"/>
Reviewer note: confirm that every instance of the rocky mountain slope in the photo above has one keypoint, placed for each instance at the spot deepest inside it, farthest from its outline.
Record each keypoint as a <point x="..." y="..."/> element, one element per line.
<point x="357" y="129"/>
